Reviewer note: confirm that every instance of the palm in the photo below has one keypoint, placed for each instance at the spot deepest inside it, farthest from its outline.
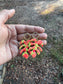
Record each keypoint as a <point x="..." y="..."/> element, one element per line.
<point x="12" y="43"/>
<point x="8" y="42"/>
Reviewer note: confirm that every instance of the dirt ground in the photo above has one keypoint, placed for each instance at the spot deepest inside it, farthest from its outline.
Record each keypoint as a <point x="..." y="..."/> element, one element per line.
<point x="48" y="67"/>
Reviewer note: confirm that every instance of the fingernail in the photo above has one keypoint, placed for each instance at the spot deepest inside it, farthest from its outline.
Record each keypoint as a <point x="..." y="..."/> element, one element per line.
<point x="43" y="29"/>
<point x="12" y="10"/>
<point x="45" y="42"/>
<point x="45" y="36"/>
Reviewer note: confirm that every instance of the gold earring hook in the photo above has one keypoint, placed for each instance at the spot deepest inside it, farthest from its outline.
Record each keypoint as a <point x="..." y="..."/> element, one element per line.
<point x="27" y="36"/>
<point x="36" y="35"/>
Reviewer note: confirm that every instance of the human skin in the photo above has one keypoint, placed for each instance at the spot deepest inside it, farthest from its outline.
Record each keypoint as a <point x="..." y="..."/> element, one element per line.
<point x="12" y="34"/>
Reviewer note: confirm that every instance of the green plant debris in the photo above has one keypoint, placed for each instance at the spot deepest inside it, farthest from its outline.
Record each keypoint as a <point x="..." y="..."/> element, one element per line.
<point x="56" y="54"/>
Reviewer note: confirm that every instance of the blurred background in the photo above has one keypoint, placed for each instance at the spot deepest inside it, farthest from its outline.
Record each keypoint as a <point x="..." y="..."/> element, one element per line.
<point x="47" y="68"/>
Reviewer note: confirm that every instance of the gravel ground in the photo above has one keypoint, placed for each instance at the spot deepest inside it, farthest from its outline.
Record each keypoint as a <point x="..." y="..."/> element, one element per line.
<point x="44" y="69"/>
<point x="21" y="71"/>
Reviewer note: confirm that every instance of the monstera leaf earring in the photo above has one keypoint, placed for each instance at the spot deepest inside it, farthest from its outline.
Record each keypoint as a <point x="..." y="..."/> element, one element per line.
<point x="30" y="45"/>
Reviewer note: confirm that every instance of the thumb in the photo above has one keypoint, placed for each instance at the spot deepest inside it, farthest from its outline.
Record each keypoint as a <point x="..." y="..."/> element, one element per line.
<point x="6" y="14"/>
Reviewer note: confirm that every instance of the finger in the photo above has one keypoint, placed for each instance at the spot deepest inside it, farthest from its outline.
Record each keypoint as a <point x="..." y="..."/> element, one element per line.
<point x="41" y="36"/>
<point x="28" y="29"/>
<point x="6" y="14"/>
<point x="44" y="42"/>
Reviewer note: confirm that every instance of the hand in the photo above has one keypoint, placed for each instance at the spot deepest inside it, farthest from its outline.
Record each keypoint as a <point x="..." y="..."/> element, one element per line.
<point x="10" y="35"/>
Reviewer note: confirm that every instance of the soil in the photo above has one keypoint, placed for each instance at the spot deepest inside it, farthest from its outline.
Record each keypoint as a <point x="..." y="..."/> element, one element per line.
<point x="44" y="69"/>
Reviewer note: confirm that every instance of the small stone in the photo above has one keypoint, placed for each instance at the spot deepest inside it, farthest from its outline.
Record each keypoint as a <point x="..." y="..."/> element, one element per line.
<point x="26" y="71"/>
<point x="47" y="65"/>
<point x="23" y="67"/>
<point x="44" y="78"/>
<point x="59" y="83"/>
